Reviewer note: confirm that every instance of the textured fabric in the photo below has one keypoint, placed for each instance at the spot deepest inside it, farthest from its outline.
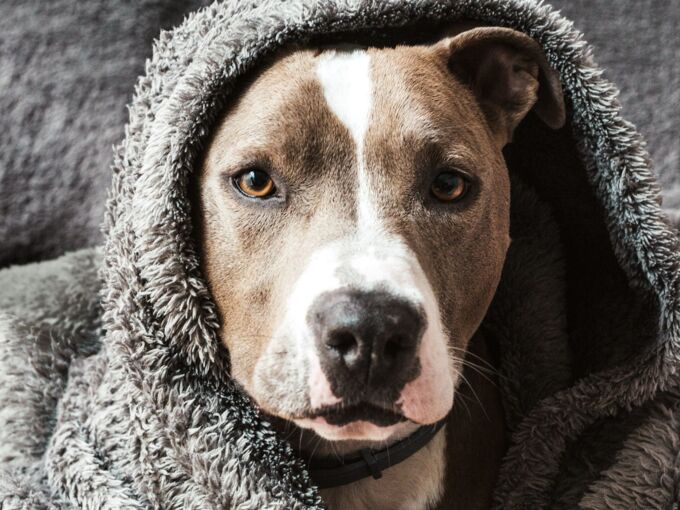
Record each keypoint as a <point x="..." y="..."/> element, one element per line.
<point x="68" y="67"/>
<point x="586" y="319"/>
<point x="637" y="44"/>
<point x="67" y="70"/>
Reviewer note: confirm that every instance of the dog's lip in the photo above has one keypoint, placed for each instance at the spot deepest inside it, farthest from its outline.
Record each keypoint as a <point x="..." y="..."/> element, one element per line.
<point x="341" y="415"/>
<point x="358" y="430"/>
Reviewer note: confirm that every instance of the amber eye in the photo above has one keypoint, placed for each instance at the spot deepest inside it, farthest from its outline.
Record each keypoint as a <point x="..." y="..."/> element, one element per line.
<point x="255" y="183"/>
<point x="449" y="186"/>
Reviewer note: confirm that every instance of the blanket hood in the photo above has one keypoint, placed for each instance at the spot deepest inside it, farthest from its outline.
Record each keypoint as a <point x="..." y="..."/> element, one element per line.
<point x="608" y="341"/>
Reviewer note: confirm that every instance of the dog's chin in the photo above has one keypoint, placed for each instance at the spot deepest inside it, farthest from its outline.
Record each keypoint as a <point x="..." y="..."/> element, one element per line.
<point x="361" y="421"/>
<point x="358" y="430"/>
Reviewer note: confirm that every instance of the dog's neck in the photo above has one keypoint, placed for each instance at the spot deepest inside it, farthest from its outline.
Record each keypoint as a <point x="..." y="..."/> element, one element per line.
<point x="458" y="466"/>
<point x="417" y="482"/>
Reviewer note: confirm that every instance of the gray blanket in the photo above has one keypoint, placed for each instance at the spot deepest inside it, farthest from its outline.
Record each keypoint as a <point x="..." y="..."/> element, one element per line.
<point x="114" y="385"/>
<point x="68" y="67"/>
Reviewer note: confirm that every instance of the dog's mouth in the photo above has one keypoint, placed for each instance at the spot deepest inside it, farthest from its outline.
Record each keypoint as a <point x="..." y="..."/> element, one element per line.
<point x="340" y="415"/>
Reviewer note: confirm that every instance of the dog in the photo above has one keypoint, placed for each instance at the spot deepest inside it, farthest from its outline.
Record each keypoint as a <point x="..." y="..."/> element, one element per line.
<point x="354" y="221"/>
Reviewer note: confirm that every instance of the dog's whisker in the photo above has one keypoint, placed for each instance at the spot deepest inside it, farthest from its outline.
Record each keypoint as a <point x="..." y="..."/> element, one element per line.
<point x="318" y="443"/>
<point x="481" y="404"/>
<point x="487" y="377"/>
<point x="288" y="430"/>
<point x="480" y="368"/>
<point x="463" y="401"/>
<point x="486" y="373"/>
<point x="335" y="451"/>
<point x="466" y="353"/>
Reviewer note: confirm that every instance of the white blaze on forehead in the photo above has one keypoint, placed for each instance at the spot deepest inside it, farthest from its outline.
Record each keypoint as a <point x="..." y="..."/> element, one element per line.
<point x="345" y="78"/>
<point x="346" y="82"/>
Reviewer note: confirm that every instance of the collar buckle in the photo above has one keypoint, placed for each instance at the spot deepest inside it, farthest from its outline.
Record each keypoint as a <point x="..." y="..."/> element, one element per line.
<point x="371" y="462"/>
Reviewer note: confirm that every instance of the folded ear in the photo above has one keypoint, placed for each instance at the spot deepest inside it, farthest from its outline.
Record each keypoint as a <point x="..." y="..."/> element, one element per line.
<point x="509" y="74"/>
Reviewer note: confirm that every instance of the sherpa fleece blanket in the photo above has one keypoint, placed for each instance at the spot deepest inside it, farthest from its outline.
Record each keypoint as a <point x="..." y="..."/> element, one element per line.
<point x="115" y="390"/>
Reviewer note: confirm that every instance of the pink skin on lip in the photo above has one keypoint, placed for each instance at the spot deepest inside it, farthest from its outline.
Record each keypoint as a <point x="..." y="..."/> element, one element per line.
<point x="429" y="397"/>
<point x="422" y="403"/>
<point x="357" y="430"/>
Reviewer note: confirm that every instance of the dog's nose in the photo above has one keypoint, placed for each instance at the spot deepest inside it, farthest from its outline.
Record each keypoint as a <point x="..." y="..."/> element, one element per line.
<point x="367" y="341"/>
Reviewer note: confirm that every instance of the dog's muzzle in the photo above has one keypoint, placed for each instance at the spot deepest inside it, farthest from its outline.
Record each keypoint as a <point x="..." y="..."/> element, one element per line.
<point x="367" y="343"/>
<point x="361" y="350"/>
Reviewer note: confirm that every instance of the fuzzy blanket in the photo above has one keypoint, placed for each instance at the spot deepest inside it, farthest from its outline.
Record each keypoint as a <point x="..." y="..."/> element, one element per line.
<point x="72" y="66"/>
<point x="115" y="388"/>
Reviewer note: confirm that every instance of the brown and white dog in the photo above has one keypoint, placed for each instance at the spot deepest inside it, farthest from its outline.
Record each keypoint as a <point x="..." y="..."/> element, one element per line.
<point x="354" y="211"/>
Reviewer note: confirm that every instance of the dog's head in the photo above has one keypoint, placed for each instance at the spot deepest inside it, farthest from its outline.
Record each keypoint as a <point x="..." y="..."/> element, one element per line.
<point x="355" y="219"/>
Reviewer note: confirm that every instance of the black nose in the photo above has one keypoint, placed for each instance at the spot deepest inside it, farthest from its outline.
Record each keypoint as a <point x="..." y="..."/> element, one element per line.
<point x="367" y="342"/>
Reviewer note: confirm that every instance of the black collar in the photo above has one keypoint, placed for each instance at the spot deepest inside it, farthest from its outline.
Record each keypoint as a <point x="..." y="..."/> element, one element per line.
<point x="333" y="472"/>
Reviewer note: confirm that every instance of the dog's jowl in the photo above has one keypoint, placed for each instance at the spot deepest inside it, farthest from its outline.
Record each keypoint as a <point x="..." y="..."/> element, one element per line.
<point x="355" y="219"/>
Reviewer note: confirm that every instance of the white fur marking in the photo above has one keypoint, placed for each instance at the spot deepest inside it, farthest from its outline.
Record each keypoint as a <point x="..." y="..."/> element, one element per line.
<point x="345" y="77"/>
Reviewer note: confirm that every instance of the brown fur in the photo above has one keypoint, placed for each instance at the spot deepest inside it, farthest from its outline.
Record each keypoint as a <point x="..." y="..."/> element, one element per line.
<point x="424" y="118"/>
<point x="281" y="123"/>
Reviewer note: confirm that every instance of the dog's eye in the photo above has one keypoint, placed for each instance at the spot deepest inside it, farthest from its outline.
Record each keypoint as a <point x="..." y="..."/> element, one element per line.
<point x="449" y="186"/>
<point x="255" y="183"/>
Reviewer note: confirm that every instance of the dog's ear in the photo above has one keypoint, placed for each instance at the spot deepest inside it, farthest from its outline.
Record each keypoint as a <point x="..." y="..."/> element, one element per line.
<point x="509" y="74"/>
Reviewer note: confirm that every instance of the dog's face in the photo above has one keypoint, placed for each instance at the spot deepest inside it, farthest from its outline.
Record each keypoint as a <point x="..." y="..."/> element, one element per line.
<point x="355" y="217"/>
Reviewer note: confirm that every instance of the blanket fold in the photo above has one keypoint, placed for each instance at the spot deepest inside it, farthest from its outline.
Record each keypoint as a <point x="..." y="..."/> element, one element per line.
<point x="115" y="388"/>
